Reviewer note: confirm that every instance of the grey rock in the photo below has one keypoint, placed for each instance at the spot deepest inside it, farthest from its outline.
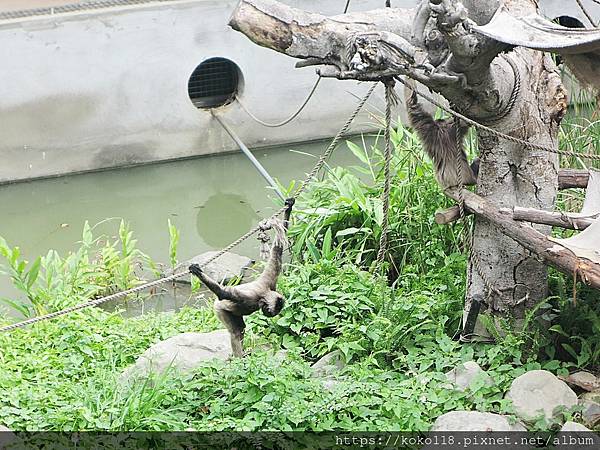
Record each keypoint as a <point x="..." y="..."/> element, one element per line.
<point x="223" y="269"/>
<point x="184" y="353"/>
<point x="330" y="364"/>
<point x="474" y="421"/>
<point x="539" y="392"/>
<point x="7" y="438"/>
<point x="575" y="436"/>
<point x="584" y="380"/>
<point x="590" y="403"/>
<point x="463" y="376"/>
<point x="573" y="427"/>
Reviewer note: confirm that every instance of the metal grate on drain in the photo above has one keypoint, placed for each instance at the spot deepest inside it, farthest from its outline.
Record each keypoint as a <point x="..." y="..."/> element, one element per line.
<point x="214" y="83"/>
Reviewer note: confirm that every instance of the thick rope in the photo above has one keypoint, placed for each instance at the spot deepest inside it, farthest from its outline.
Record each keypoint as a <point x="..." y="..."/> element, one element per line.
<point x="289" y="119"/>
<point x="123" y="294"/>
<point x="318" y="166"/>
<point x="325" y="156"/>
<point x="514" y="95"/>
<point x="587" y="14"/>
<point x="528" y="144"/>
<point x="389" y="100"/>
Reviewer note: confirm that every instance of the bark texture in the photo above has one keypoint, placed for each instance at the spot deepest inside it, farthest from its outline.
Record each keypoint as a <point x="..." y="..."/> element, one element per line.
<point x="515" y="91"/>
<point x="549" y="251"/>
<point x="555" y="219"/>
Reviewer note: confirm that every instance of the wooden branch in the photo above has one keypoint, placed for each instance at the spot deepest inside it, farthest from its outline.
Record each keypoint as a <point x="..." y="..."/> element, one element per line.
<point x="448" y="215"/>
<point x="556" y="219"/>
<point x="567" y="179"/>
<point x="571" y="178"/>
<point x="342" y="44"/>
<point x="310" y="36"/>
<point x="550" y="252"/>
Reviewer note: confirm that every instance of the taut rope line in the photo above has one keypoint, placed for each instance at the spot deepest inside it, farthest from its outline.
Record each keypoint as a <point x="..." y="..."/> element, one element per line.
<point x="309" y="178"/>
<point x="516" y="140"/>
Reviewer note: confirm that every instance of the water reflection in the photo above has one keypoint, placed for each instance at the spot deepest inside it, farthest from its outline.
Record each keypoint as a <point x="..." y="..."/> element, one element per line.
<point x="211" y="200"/>
<point x="217" y="227"/>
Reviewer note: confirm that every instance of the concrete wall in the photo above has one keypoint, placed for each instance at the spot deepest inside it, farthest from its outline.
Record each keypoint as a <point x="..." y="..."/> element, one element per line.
<point x="108" y="88"/>
<point x="556" y="8"/>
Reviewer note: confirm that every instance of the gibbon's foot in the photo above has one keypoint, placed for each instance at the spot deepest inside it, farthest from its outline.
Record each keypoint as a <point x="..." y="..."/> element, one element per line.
<point x="233" y="357"/>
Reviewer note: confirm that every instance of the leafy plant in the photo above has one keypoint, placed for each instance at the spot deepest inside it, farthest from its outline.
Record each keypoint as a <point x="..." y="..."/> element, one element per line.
<point x="98" y="267"/>
<point x="173" y="244"/>
<point x="342" y="214"/>
<point x="23" y="279"/>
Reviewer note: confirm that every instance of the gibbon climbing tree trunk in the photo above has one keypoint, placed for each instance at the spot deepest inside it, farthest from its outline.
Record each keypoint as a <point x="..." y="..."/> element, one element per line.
<point x="517" y="91"/>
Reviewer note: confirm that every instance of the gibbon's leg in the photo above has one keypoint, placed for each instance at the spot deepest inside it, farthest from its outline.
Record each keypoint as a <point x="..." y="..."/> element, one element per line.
<point x="234" y="323"/>
<point x="475" y="169"/>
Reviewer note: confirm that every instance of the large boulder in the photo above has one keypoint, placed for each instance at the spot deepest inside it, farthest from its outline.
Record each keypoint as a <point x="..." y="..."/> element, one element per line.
<point x="464" y="375"/>
<point x="224" y="268"/>
<point x="575" y="436"/>
<point x="474" y="421"/>
<point x="7" y="438"/>
<point x="184" y="353"/>
<point x="328" y="369"/>
<point x="539" y="392"/>
<point x="329" y="365"/>
<point x="590" y="403"/>
<point x="574" y="427"/>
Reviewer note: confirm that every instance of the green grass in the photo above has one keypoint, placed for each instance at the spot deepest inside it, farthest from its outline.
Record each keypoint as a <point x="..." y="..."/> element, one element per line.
<point x="64" y="374"/>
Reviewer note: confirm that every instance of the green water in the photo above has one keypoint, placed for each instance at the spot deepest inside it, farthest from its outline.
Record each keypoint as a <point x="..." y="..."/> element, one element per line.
<point x="211" y="200"/>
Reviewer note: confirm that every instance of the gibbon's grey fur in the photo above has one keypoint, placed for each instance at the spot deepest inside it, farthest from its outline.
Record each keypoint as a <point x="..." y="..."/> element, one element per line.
<point x="442" y="141"/>
<point x="235" y="302"/>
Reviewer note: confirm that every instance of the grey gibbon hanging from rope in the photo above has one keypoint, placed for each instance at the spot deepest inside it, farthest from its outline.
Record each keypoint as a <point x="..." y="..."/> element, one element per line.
<point x="442" y="141"/>
<point x="235" y="302"/>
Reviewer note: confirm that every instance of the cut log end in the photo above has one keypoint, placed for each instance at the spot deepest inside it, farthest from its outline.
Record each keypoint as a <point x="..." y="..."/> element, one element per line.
<point x="263" y="29"/>
<point x="447" y="216"/>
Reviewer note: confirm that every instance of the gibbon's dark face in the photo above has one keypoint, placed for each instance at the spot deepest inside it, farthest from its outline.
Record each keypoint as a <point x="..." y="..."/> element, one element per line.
<point x="271" y="304"/>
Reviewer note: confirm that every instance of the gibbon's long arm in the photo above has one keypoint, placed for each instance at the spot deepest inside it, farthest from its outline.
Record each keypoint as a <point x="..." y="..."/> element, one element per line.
<point x="217" y="288"/>
<point x="273" y="267"/>
<point x="419" y="117"/>
<point x="442" y="141"/>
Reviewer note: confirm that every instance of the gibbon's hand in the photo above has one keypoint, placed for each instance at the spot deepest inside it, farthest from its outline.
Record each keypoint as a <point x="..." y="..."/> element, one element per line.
<point x="289" y="202"/>
<point x="195" y="269"/>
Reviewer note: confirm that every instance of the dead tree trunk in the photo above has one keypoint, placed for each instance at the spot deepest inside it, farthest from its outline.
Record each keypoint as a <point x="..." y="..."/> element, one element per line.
<point x="516" y="91"/>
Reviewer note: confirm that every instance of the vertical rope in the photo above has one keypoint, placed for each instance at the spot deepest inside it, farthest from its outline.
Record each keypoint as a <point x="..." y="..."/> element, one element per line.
<point x="389" y="96"/>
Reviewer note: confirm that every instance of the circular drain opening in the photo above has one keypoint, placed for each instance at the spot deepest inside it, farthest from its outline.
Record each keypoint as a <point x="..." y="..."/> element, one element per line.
<point x="215" y="82"/>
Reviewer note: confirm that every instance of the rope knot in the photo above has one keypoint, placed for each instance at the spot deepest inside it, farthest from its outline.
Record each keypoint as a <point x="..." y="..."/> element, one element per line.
<point x="263" y="237"/>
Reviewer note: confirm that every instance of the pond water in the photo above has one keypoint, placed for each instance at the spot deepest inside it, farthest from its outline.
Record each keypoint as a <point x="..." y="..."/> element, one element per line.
<point x="211" y="200"/>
